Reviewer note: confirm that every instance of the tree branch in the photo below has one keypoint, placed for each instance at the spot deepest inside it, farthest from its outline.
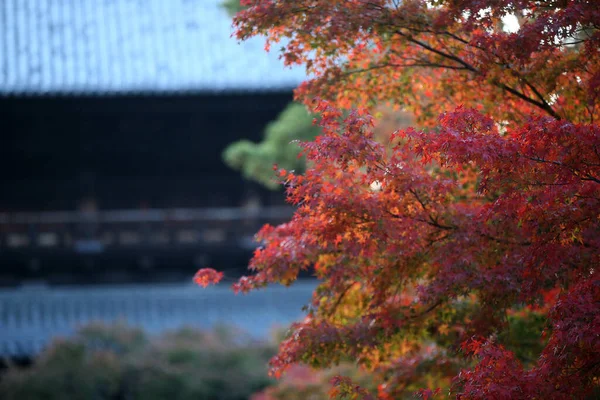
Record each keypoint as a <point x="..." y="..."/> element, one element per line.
<point x="540" y="104"/>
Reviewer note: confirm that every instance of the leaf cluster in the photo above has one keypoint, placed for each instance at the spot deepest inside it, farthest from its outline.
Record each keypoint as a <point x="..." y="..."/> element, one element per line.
<point x="466" y="252"/>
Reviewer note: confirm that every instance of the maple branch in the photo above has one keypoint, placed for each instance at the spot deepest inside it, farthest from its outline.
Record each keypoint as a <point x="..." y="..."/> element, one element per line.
<point x="540" y="104"/>
<point x="534" y="90"/>
<point x="438" y="239"/>
<point x="414" y="193"/>
<point x="423" y="64"/>
<point x="427" y="310"/>
<point x="505" y="241"/>
<point x="459" y="39"/>
<point x="373" y="5"/>
<point x="586" y="177"/>
<point x="591" y="178"/>
<point x="339" y="300"/>
<point x="543" y="101"/>
<point x="544" y="106"/>
<point x="432" y="221"/>
<point x="438" y="52"/>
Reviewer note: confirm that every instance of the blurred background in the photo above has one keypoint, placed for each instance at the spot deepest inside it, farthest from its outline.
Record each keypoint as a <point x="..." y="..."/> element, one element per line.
<point x="124" y="127"/>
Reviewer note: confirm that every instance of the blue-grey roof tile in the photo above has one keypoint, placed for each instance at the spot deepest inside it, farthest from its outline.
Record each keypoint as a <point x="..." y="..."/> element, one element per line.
<point x="31" y="317"/>
<point x="124" y="46"/>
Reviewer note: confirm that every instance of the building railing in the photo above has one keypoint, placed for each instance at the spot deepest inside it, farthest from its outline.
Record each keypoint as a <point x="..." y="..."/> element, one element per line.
<point x="96" y="231"/>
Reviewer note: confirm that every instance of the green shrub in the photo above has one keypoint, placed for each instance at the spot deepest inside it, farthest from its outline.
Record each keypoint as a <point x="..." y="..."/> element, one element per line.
<point x="256" y="160"/>
<point x="118" y="362"/>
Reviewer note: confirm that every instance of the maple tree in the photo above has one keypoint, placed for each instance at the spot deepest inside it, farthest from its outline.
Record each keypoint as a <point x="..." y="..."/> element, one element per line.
<point x="464" y="259"/>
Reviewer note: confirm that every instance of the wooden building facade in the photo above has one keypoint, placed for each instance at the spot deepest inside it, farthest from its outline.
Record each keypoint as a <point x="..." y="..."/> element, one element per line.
<point x="125" y="105"/>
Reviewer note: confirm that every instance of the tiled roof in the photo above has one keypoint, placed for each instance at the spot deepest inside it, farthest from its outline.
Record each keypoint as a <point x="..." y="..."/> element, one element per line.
<point x="31" y="317"/>
<point x="130" y="46"/>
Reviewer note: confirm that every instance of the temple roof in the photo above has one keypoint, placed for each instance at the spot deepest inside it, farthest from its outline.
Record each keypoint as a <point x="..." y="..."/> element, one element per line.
<point x="69" y="47"/>
<point x="33" y="316"/>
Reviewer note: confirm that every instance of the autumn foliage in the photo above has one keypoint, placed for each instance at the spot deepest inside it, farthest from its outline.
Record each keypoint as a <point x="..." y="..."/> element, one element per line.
<point x="462" y="257"/>
<point x="207" y="276"/>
